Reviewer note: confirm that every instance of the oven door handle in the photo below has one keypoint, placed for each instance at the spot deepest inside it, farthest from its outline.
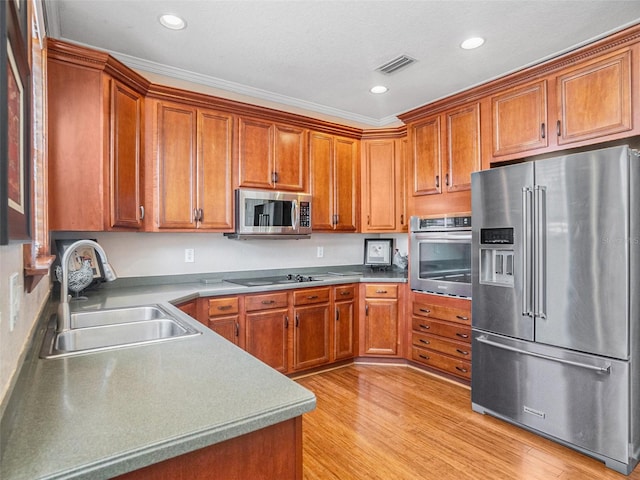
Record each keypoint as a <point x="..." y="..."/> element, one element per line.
<point x="463" y="236"/>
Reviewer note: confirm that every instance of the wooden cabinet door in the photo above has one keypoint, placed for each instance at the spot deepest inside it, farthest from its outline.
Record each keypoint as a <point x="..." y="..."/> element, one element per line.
<point x="519" y="119"/>
<point x="345" y="181"/>
<point x="463" y="143"/>
<point x="215" y="189"/>
<point x="255" y="162"/>
<point x="311" y="336"/>
<point x="595" y="99"/>
<point x="381" y="327"/>
<point x="379" y="189"/>
<point x="190" y="308"/>
<point x="344" y="333"/>
<point x="290" y="158"/>
<point x="266" y="337"/>
<point x="322" y="181"/>
<point x="176" y="156"/>
<point x="427" y="157"/>
<point x="125" y="155"/>
<point x="227" y="327"/>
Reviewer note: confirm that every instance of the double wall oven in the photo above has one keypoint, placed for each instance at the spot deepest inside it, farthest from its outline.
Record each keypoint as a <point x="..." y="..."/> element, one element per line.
<point x="440" y="255"/>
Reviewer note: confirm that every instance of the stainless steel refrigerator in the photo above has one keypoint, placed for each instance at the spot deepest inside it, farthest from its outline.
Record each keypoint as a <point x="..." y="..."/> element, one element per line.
<point x="556" y="300"/>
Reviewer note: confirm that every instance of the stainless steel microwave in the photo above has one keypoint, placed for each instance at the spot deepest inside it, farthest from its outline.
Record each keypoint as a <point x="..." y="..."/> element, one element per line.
<point x="272" y="214"/>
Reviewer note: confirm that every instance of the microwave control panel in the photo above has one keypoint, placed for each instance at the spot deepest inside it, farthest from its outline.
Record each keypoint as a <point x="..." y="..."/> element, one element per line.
<point x="305" y="214"/>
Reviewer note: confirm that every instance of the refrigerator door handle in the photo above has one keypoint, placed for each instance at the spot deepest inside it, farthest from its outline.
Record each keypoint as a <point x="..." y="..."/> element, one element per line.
<point x="540" y="307"/>
<point x="606" y="369"/>
<point x="526" y="252"/>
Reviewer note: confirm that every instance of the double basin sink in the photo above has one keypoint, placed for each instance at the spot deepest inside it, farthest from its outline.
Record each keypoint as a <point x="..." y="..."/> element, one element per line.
<point x="110" y="329"/>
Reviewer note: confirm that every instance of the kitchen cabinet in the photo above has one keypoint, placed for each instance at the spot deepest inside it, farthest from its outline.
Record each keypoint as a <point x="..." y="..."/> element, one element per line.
<point x="446" y="150"/>
<point x="267" y="327"/>
<point x="190" y="308"/>
<point x="272" y="155"/>
<point x="222" y="315"/>
<point x="193" y="161"/>
<point x="380" y="332"/>
<point x="594" y="98"/>
<point x="334" y="180"/>
<point x="311" y="333"/>
<point x="344" y="345"/>
<point x="519" y="119"/>
<point x="95" y="111"/>
<point x="382" y="189"/>
<point x="441" y="334"/>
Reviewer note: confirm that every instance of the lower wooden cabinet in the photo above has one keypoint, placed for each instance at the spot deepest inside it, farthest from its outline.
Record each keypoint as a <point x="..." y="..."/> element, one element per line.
<point x="441" y="334"/>
<point x="344" y="324"/>
<point x="267" y="328"/>
<point x="223" y="317"/>
<point x="380" y="324"/>
<point x="311" y="333"/>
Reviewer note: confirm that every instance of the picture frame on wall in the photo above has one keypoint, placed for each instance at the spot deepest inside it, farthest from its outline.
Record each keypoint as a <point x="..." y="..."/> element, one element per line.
<point x="15" y="145"/>
<point x="377" y="252"/>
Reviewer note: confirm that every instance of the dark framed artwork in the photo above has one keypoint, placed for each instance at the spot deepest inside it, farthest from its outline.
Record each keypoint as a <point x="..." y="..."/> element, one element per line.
<point x="15" y="144"/>
<point x="377" y="252"/>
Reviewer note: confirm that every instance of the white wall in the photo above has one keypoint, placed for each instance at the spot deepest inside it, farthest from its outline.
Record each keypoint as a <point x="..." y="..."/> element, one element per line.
<point x="152" y="254"/>
<point x="12" y="343"/>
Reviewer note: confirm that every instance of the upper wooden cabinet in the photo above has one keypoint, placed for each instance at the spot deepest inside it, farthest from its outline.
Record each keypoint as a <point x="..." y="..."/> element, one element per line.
<point x="334" y="181"/>
<point x="272" y="155"/>
<point x="519" y="119"/>
<point x="594" y="99"/>
<point x="192" y="158"/>
<point x="383" y="171"/>
<point x="95" y="112"/>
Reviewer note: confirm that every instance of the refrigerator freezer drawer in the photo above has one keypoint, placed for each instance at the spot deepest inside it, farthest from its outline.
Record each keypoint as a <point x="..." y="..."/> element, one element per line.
<point x="579" y="399"/>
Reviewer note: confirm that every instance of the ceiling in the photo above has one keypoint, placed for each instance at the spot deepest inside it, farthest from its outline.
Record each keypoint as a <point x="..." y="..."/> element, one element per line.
<point x="321" y="56"/>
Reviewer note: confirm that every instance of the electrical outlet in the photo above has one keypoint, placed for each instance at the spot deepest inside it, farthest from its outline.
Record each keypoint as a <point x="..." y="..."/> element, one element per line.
<point x="320" y="252"/>
<point x="14" y="301"/>
<point x="189" y="255"/>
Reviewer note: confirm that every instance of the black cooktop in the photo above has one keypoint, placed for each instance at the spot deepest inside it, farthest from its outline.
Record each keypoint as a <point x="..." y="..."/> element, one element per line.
<point x="278" y="280"/>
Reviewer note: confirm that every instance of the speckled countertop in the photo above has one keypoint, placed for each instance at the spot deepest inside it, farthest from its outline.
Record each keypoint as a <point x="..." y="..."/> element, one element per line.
<point x="103" y="414"/>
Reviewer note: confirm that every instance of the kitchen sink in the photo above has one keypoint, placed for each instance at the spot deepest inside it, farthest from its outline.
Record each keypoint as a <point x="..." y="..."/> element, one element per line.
<point x="112" y="329"/>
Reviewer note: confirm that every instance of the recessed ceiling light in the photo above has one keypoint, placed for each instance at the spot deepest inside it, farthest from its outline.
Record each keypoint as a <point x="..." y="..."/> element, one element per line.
<point x="379" y="89"/>
<point x="172" y="22"/>
<point x="471" y="43"/>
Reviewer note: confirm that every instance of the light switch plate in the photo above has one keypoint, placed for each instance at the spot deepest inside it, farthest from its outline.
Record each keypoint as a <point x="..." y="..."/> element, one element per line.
<point x="14" y="300"/>
<point x="189" y="255"/>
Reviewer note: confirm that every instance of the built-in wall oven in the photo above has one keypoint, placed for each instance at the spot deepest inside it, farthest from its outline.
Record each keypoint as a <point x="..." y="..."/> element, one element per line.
<point x="440" y="255"/>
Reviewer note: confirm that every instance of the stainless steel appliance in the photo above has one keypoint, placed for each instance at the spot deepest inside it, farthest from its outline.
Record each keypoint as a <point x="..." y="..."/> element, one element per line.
<point x="440" y="255"/>
<point x="556" y="300"/>
<point x="271" y="214"/>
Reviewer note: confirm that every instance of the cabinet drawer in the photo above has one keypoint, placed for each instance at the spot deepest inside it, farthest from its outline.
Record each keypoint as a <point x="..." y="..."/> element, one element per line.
<point x="450" y="347"/>
<point x="456" y="332"/>
<point x="223" y="306"/>
<point x="347" y="292"/>
<point x="266" y="301"/>
<point x="381" y="291"/>
<point x="454" y="366"/>
<point x="451" y="314"/>
<point x="311" y="295"/>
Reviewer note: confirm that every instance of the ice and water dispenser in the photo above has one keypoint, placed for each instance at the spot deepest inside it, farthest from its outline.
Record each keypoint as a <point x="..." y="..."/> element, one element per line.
<point x="496" y="256"/>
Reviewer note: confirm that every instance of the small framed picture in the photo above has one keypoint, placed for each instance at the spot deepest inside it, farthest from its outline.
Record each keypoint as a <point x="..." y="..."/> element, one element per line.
<point x="82" y="253"/>
<point x="377" y="252"/>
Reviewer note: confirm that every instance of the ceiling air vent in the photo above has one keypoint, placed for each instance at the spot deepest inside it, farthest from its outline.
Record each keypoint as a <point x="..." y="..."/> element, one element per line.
<point x="396" y="64"/>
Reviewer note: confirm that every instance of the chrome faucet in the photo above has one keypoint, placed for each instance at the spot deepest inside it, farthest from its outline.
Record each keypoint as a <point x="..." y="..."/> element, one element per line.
<point x="64" y="313"/>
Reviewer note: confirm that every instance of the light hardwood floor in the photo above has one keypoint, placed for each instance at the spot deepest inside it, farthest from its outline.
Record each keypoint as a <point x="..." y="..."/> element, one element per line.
<point x="397" y="423"/>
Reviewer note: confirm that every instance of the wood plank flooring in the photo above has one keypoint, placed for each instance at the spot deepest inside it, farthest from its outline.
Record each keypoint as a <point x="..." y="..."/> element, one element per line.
<point x="397" y="423"/>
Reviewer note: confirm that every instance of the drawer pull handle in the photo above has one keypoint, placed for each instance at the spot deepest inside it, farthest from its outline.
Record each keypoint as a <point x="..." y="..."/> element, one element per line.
<point x="426" y="342"/>
<point x="286" y="321"/>
<point x="224" y="307"/>
<point x="424" y="357"/>
<point x="425" y="310"/>
<point x="426" y="327"/>
<point x="463" y="370"/>
<point x="461" y="317"/>
<point x="462" y="335"/>
<point x="268" y="302"/>
<point x="312" y="297"/>
<point x="381" y="291"/>
<point x="297" y="321"/>
<point x="237" y="329"/>
<point x="462" y="352"/>
<point x="345" y="293"/>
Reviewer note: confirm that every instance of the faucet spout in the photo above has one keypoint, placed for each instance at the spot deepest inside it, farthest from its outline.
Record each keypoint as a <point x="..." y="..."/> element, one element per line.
<point x="64" y="312"/>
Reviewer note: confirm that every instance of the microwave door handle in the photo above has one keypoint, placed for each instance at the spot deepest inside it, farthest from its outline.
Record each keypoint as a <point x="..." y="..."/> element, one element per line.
<point x="294" y="214"/>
